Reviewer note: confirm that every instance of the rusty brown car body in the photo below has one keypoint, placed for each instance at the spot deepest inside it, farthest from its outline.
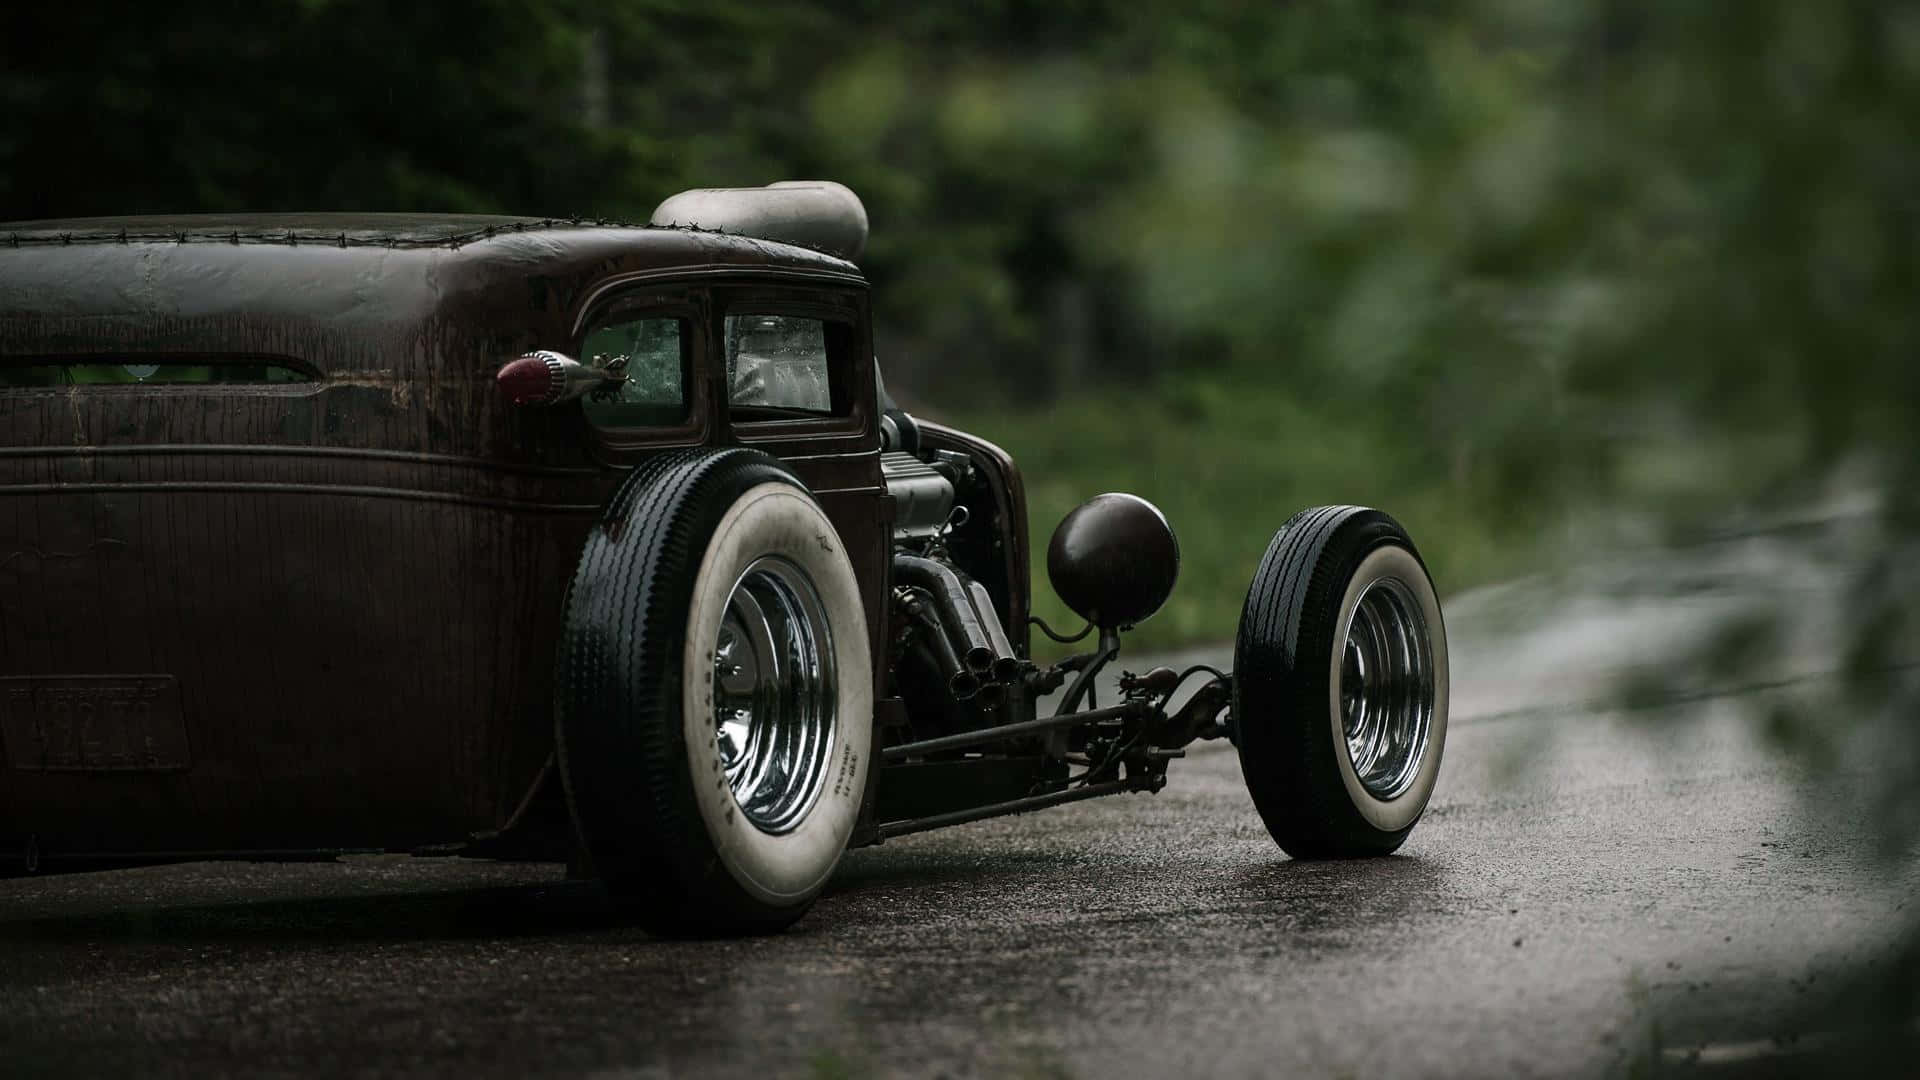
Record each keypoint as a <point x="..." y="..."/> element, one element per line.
<point x="283" y="573"/>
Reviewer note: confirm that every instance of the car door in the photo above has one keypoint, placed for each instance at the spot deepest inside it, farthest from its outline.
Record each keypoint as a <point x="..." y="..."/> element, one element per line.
<point x="794" y="377"/>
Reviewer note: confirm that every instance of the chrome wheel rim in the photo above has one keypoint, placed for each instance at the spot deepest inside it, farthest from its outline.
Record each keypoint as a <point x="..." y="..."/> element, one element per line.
<point x="774" y="694"/>
<point x="1387" y="688"/>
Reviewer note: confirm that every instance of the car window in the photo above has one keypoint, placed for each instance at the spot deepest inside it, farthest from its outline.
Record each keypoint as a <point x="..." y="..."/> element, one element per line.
<point x="779" y="362"/>
<point x="653" y="352"/>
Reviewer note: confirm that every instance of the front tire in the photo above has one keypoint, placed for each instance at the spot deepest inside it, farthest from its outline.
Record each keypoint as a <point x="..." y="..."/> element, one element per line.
<point x="1340" y="684"/>
<point x="715" y="700"/>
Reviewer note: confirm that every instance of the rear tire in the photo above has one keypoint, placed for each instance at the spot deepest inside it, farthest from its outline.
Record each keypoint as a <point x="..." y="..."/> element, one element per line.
<point x="715" y="695"/>
<point x="1340" y="684"/>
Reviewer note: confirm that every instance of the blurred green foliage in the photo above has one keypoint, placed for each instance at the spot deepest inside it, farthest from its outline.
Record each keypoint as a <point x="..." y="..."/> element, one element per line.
<point x="1485" y="265"/>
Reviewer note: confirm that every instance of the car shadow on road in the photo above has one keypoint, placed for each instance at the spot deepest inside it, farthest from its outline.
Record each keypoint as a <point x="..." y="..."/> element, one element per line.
<point x="542" y="909"/>
<point x="552" y="908"/>
<point x="886" y="868"/>
<point x="1302" y="893"/>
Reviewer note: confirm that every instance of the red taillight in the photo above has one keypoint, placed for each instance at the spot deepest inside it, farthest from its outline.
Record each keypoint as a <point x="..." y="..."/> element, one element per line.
<point x="534" y="379"/>
<point x="549" y="378"/>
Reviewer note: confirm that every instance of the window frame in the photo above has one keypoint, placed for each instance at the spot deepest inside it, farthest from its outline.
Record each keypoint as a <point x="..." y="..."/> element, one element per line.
<point x="652" y="300"/>
<point x="843" y="312"/>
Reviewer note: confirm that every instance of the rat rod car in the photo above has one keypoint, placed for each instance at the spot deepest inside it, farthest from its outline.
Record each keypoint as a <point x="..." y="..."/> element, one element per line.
<point x="537" y="538"/>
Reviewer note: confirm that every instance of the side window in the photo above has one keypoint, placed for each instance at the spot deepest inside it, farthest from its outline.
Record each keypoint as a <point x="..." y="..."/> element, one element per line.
<point x="782" y="363"/>
<point x="655" y="352"/>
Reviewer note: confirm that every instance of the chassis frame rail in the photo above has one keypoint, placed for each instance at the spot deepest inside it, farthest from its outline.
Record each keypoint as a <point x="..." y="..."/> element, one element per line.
<point x="891" y="829"/>
<point x="982" y="736"/>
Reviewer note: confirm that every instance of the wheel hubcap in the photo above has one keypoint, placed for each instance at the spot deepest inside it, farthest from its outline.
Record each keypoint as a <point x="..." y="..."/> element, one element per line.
<point x="774" y="694"/>
<point x="1386" y="688"/>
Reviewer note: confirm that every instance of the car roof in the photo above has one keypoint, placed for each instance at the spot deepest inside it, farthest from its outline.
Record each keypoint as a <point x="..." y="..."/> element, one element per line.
<point x="356" y="280"/>
<point x="383" y="229"/>
<point x="341" y="229"/>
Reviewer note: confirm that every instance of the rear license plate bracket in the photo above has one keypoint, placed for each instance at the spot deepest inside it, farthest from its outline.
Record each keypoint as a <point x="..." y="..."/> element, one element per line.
<point x="93" y="723"/>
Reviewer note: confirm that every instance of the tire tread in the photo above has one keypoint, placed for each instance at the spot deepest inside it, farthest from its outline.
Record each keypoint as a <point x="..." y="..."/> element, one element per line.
<point x="1282" y="654"/>
<point x="618" y="727"/>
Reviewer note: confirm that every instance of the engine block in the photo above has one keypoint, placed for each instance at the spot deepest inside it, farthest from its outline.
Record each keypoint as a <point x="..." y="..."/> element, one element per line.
<point x="922" y="497"/>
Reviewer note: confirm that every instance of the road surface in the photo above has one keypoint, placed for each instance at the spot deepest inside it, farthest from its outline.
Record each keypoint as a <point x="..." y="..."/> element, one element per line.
<point x="1594" y="891"/>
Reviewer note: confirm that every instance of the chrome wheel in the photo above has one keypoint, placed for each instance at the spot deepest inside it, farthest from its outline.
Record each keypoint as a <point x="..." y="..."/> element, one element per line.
<point x="1387" y="688"/>
<point x="774" y="694"/>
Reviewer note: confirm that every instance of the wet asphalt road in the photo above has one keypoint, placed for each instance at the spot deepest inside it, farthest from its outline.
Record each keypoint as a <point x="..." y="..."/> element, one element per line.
<point x="1592" y="892"/>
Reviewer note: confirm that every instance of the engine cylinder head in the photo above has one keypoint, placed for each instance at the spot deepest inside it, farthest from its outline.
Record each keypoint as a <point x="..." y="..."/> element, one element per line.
<point x="1114" y="560"/>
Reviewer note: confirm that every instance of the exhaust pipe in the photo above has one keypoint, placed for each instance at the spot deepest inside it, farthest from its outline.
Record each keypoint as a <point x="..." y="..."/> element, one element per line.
<point x="961" y="683"/>
<point x="1006" y="666"/>
<point x="952" y="604"/>
<point x="969" y="643"/>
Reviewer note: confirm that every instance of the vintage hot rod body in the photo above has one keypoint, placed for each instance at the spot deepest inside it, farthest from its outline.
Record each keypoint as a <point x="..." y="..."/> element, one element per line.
<point x="322" y="613"/>
<point x="285" y="553"/>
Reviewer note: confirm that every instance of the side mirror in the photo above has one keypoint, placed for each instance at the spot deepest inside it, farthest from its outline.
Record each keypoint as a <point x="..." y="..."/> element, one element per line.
<point x="550" y="378"/>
